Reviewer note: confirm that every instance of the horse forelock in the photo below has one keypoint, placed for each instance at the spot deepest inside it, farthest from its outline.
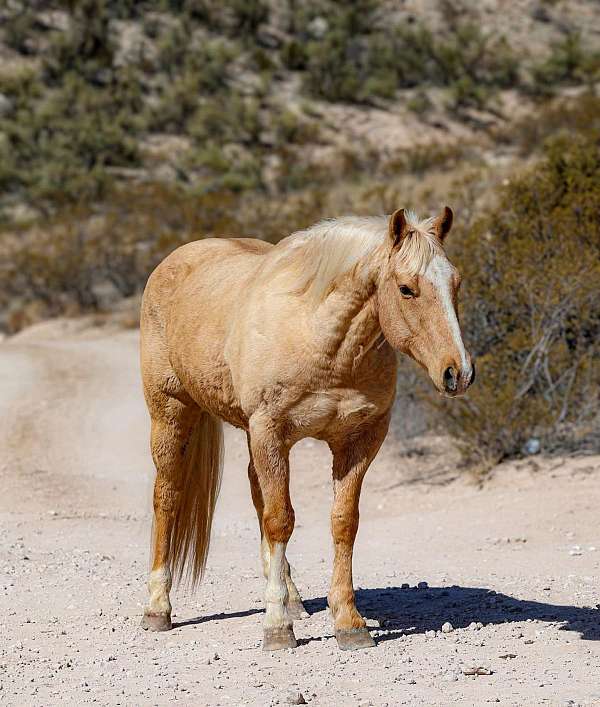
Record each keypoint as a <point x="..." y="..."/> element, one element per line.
<point x="420" y="245"/>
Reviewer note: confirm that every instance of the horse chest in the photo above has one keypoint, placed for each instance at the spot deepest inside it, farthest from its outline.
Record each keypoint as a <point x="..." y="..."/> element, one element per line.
<point x="354" y="407"/>
<point x="327" y="414"/>
<point x="339" y="405"/>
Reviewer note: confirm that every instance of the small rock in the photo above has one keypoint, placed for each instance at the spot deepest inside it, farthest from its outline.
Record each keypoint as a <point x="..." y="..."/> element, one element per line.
<point x="318" y="27"/>
<point x="447" y="627"/>
<point x="295" y="698"/>
<point x="6" y="105"/>
<point x="430" y="634"/>
<point x="475" y="670"/>
<point x="422" y="585"/>
<point x="532" y="446"/>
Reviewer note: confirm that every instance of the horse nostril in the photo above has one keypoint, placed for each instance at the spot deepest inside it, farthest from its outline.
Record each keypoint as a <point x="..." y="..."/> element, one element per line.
<point x="450" y="379"/>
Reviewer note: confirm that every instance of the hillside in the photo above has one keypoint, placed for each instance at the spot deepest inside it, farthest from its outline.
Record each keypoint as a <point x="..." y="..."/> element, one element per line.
<point x="274" y="97"/>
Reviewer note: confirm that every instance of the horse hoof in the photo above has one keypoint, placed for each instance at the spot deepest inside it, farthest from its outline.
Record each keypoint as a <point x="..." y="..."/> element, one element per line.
<point x="296" y="610"/>
<point x="156" y="621"/>
<point x="276" y="639"/>
<point x="352" y="639"/>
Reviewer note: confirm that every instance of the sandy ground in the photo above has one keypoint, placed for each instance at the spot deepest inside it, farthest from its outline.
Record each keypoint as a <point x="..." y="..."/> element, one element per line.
<point x="513" y="567"/>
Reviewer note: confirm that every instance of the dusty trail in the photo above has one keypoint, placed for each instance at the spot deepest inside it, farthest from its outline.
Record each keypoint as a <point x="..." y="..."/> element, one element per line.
<point x="76" y="475"/>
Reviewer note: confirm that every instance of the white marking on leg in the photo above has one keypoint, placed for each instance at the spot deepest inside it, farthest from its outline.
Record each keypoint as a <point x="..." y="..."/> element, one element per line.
<point x="159" y="586"/>
<point x="439" y="273"/>
<point x="294" y="594"/>
<point x="265" y="556"/>
<point x="276" y="593"/>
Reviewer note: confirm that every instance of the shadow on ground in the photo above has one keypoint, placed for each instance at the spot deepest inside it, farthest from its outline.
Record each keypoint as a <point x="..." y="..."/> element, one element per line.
<point x="410" y="611"/>
<point x="406" y="611"/>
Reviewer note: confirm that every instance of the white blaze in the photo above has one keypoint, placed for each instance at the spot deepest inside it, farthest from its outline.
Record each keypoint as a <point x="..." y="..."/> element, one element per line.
<point x="439" y="273"/>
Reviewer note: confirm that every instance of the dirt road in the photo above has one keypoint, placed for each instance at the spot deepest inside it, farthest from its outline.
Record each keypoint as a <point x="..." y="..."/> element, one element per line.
<point x="513" y="567"/>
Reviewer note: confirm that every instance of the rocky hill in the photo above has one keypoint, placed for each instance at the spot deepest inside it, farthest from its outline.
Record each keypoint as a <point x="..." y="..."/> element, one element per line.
<point x="263" y="96"/>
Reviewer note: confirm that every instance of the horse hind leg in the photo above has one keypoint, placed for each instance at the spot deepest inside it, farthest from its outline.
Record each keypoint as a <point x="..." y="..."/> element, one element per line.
<point x="296" y="608"/>
<point x="186" y="448"/>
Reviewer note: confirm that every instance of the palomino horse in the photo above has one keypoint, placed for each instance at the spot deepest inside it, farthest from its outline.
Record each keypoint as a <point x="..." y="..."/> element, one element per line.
<point x="287" y="341"/>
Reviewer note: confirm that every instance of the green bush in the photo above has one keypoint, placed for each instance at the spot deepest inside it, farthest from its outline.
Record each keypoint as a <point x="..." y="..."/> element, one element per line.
<point x="60" y="148"/>
<point x="227" y="118"/>
<point x="531" y="268"/>
<point x="568" y="63"/>
<point x="558" y="117"/>
<point x="18" y="30"/>
<point x="86" y="48"/>
<point x="359" y="61"/>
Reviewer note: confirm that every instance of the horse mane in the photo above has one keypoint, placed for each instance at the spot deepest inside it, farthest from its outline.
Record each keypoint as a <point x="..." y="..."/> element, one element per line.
<point x="332" y="247"/>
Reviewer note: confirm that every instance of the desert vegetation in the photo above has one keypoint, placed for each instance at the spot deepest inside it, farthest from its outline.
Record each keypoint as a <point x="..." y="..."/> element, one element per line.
<point x="129" y="128"/>
<point x="531" y="265"/>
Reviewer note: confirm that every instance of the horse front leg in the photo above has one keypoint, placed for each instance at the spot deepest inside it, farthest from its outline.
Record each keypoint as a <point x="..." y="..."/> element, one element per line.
<point x="351" y="459"/>
<point x="295" y="606"/>
<point x="271" y="464"/>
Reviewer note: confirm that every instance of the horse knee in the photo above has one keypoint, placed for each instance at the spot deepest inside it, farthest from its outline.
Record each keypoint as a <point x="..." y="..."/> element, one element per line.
<point x="279" y="524"/>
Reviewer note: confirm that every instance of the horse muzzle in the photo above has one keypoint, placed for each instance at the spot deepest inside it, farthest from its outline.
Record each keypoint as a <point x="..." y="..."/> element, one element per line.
<point x="455" y="382"/>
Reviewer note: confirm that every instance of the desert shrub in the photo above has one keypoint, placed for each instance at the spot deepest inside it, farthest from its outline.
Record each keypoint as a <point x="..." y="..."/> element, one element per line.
<point x="352" y="60"/>
<point x="290" y="126"/>
<point x="293" y="55"/>
<point x="18" y="29"/>
<point x="466" y="60"/>
<point x="56" y="266"/>
<point x="228" y="118"/>
<point x="465" y="92"/>
<point x="420" y="103"/>
<point x="422" y="158"/>
<point x="568" y="63"/>
<point x="359" y="60"/>
<point x="204" y="71"/>
<point x="531" y="316"/>
<point x="60" y="148"/>
<point x="87" y="47"/>
<point x="246" y="15"/>
<point x="559" y="116"/>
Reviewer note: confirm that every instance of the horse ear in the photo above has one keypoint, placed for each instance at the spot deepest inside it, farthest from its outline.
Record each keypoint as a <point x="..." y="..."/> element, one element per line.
<point x="443" y="223"/>
<point x="397" y="227"/>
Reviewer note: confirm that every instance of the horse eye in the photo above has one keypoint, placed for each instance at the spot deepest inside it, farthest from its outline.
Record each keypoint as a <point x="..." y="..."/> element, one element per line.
<point x="406" y="291"/>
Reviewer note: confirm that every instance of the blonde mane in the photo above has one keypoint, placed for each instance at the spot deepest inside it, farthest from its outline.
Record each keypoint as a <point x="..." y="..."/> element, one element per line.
<point x="332" y="247"/>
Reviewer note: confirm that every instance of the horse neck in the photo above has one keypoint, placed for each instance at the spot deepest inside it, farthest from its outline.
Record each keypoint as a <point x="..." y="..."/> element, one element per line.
<point x="347" y="321"/>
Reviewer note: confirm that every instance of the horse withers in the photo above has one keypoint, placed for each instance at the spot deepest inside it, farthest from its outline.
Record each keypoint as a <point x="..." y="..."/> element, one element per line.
<point x="287" y="341"/>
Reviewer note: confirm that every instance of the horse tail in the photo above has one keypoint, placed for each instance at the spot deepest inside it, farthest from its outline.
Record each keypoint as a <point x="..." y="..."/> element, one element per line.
<point x="199" y="485"/>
